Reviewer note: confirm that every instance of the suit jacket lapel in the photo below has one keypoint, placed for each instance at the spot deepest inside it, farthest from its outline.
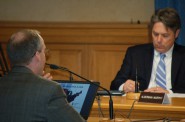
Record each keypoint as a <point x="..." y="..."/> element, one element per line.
<point x="176" y="62"/>
<point x="149" y="63"/>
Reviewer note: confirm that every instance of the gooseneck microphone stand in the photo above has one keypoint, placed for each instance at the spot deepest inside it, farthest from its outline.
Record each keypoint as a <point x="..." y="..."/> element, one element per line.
<point x="136" y="84"/>
<point x="55" y="67"/>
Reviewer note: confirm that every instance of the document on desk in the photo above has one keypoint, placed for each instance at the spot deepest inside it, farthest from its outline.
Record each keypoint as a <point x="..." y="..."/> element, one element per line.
<point x="180" y="95"/>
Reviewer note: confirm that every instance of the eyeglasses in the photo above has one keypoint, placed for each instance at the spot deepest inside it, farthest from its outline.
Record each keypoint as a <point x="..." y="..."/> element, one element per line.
<point x="46" y="51"/>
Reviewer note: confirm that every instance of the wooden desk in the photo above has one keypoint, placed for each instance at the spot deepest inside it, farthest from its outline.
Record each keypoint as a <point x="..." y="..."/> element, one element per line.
<point x="175" y="110"/>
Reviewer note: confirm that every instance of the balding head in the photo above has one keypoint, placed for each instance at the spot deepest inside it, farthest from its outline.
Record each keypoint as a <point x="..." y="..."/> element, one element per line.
<point x="22" y="46"/>
<point x="18" y="37"/>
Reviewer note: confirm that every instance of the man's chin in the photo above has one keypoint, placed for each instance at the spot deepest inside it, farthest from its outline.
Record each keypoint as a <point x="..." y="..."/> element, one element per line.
<point x="161" y="50"/>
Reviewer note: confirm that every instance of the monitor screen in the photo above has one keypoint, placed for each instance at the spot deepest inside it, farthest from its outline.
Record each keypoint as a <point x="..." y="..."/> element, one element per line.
<point x="80" y="95"/>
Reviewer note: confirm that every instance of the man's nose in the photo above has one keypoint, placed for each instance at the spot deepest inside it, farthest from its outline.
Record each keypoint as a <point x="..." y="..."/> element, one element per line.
<point x="159" y="38"/>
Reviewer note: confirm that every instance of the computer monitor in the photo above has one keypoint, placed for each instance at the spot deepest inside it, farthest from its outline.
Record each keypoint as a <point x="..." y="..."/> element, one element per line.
<point x="80" y="94"/>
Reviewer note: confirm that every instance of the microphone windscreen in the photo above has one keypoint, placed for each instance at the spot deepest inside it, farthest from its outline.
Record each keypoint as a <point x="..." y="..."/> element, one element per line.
<point x="52" y="66"/>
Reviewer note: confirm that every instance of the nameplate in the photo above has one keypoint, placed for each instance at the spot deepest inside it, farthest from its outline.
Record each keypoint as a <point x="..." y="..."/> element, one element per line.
<point x="149" y="97"/>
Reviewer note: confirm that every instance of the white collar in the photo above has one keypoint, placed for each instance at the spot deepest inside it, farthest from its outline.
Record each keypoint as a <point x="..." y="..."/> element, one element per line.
<point x="168" y="53"/>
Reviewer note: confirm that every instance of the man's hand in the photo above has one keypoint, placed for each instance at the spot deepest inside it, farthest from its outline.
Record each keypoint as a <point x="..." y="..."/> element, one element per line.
<point x="157" y="90"/>
<point x="47" y="76"/>
<point x="129" y="86"/>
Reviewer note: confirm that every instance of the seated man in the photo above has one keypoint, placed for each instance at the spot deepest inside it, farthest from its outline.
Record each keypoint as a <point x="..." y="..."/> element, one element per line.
<point x="25" y="96"/>
<point x="160" y="66"/>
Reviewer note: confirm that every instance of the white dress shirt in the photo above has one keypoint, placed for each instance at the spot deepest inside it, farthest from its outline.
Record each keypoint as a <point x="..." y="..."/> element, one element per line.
<point x="168" y="61"/>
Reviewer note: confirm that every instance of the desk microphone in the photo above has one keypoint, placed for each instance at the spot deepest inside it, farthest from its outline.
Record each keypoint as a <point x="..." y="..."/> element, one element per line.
<point x="134" y="95"/>
<point x="55" y="67"/>
<point x="52" y="66"/>
<point x="136" y="84"/>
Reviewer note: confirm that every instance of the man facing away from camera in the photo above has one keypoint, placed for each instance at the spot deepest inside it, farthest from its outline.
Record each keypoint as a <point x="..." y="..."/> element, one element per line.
<point x="25" y="95"/>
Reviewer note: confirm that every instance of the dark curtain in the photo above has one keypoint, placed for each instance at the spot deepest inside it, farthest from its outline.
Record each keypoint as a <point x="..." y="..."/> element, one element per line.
<point x="179" y="5"/>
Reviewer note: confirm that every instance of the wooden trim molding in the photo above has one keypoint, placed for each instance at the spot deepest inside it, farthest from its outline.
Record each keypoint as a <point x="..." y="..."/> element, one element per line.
<point x="81" y="33"/>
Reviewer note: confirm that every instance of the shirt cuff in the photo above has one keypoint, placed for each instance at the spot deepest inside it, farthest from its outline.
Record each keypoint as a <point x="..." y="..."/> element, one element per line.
<point x="170" y="91"/>
<point x="121" y="87"/>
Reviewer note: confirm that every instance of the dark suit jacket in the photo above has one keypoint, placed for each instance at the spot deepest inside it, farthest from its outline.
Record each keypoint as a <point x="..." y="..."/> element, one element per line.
<point x="25" y="97"/>
<point x="140" y="57"/>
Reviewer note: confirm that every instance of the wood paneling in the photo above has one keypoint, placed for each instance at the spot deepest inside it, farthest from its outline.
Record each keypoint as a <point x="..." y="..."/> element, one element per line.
<point x="92" y="50"/>
<point x="70" y="56"/>
<point x="105" y="61"/>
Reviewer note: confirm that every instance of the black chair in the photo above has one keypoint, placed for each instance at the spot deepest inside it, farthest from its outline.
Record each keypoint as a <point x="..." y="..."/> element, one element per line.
<point x="3" y="63"/>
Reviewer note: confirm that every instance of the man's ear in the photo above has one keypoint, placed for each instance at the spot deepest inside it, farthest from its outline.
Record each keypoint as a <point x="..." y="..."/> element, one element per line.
<point x="177" y="33"/>
<point x="37" y="56"/>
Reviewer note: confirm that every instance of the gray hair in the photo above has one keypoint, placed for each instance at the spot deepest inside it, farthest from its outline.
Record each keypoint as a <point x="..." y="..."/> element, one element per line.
<point x="23" y="45"/>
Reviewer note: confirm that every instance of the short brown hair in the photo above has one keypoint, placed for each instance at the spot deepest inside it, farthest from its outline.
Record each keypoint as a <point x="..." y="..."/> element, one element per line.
<point x="168" y="16"/>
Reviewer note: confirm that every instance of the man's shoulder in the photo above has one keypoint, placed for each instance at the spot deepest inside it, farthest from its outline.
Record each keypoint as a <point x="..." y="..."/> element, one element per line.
<point x="46" y="82"/>
<point x="179" y="48"/>
<point x="28" y="77"/>
<point x="43" y="84"/>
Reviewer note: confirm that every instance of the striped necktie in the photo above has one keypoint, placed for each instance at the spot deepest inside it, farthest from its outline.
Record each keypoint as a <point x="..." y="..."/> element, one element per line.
<point x="161" y="72"/>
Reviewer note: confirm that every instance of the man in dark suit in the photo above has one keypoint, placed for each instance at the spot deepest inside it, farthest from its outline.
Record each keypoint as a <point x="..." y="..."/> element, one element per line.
<point x="26" y="96"/>
<point x="142" y="60"/>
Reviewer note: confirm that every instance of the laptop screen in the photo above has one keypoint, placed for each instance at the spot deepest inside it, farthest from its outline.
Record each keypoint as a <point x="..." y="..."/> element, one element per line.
<point x="80" y="95"/>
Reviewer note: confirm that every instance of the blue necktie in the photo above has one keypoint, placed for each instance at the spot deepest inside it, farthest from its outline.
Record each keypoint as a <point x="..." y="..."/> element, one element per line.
<point x="161" y="72"/>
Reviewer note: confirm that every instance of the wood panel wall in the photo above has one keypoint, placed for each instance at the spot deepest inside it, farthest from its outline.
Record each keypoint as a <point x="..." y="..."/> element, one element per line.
<point x="92" y="50"/>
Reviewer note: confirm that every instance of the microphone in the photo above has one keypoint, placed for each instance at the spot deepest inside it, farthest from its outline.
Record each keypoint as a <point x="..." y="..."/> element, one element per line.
<point x="134" y="95"/>
<point x="52" y="66"/>
<point x="55" y="67"/>
<point x="136" y="84"/>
